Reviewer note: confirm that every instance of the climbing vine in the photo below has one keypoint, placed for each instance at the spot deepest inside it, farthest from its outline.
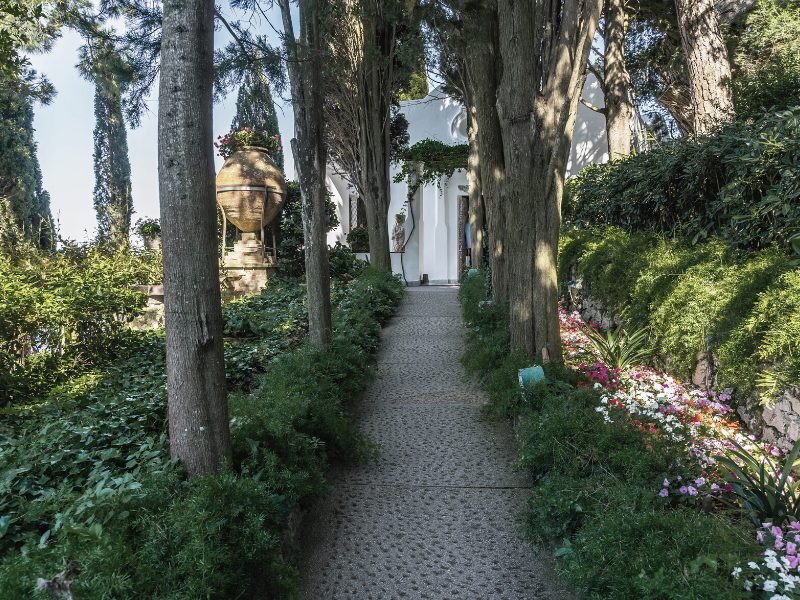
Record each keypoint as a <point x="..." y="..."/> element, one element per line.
<point x="428" y="160"/>
<point x="425" y="162"/>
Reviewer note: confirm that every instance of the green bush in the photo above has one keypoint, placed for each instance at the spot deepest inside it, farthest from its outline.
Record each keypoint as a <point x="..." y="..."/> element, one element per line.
<point x="65" y="313"/>
<point x="87" y="477"/>
<point x="634" y="549"/>
<point x="741" y="185"/>
<point x="358" y="238"/>
<point x="291" y="246"/>
<point x="741" y="306"/>
<point x="766" y="58"/>
<point x="595" y="495"/>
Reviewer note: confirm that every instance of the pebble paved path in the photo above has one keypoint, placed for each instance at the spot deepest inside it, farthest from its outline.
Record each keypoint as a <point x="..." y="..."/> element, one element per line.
<point x="437" y="516"/>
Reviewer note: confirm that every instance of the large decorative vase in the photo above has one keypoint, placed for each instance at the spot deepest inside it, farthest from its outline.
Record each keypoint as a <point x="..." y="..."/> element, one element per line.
<point x="250" y="189"/>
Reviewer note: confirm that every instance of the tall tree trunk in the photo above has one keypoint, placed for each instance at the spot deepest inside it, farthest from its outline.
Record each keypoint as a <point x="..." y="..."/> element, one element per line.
<point x="377" y="209"/>
<point x="374" y="139"/>
<point x="305" y="66"/>
<point x="198" y="410"/>
<point x="376" y="80"/>
<point x="483" y="76"/>
<point x="709" y="67"/>
<point x="537" y="105"/>
<point x="476" y="216"/>
<point x="515" y="108"/>
<point x="617" y="82"/>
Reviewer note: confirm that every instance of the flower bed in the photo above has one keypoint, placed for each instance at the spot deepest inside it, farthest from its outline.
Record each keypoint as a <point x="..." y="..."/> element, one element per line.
<point x="703" y="425"/>
<point x="628" y="483"/>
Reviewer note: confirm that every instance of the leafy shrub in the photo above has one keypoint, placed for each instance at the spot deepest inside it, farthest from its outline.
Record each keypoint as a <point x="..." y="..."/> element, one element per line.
<point x="358" y="238"/>
<point x="620" y="349"/>
<point x="594" y="495"/>
<point x="739" y="306"/>
<point x="148" y="228"/>
<point x="87" y="477"/>
<point x="343" y="261"/>
<point x="766" y="59"/>
<point x="741" y="184"/>
<point x="766" y="489"/>
<point x="768" y="338"/>
<point x="64" y="313"/>
<point x="634" y="549"/>
<point x="291" y="247"/>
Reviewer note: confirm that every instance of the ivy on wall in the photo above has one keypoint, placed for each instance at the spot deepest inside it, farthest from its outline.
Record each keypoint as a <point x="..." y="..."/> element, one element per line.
<point x="428" y="160"/>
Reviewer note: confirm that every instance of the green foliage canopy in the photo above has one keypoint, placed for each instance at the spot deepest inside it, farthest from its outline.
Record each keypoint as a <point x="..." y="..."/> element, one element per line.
<point x="742" y="184"/>
<point x="24" y="205"/>
<point x="435" y="158"/>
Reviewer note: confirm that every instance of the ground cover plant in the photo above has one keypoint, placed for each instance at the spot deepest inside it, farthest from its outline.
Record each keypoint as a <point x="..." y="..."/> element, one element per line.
<point x="739" y="308"/>
<point x="629" y="487"/>
<point x="87" y="488"/>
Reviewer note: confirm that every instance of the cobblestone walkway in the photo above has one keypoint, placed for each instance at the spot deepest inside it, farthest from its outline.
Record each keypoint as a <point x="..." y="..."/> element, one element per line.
<point x="438" y="515"/>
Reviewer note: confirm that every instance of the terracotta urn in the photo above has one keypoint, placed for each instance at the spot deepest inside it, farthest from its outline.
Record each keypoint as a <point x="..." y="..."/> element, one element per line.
<point x="241" y="184"/>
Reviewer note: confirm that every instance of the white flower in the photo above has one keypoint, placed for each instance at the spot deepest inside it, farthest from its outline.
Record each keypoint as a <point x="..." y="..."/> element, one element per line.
<point x="770" y="585"/>
<point x="753" y="565"/>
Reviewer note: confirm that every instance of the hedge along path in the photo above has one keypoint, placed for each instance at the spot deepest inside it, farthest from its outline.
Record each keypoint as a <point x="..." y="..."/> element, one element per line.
<point x="438" y="515"/>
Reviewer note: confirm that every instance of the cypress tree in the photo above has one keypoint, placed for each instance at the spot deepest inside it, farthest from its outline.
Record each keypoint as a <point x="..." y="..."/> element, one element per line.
<point x="24" y="204"/>
<point x="255" y="108"/>
<point x="113" y="201"/>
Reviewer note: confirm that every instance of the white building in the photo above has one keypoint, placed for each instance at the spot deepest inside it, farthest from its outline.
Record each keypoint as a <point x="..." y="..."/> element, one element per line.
<point x="434" y="250"/>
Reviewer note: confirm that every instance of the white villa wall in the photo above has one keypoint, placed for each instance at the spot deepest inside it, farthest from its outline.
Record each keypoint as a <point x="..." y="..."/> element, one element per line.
<point x="338" y="188"/>
<point x="589" y="141"/>
<point x="432" y="249"/>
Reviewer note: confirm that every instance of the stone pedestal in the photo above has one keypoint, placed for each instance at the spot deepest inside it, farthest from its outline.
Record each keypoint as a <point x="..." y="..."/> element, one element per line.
<point x="247" y="267"/>
<point x="247" y="252"/>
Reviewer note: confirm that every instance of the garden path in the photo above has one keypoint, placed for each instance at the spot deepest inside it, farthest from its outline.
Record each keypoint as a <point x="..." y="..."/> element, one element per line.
<point x="437" y="516"/>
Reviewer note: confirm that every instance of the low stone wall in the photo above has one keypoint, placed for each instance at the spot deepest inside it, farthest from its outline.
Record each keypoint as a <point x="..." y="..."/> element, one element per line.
<point x="778" y="423"/>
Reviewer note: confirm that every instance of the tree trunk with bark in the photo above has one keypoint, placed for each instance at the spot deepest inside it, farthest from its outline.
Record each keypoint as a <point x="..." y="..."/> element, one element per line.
<point x="709" y="67"/>
<point x="476" y="217"/>
<point x="677" y="99"/>
<point x="483" y="77"/>
<point x="304" y="59"/>
<point x="375" y="129"/>
<point x="544" y="55"/>
<point x="198" y="410"/>
<point x="617" y="82"/>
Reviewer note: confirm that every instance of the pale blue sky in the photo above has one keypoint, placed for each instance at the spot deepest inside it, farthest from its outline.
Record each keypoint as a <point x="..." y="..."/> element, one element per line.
<point x="64" y="136"/>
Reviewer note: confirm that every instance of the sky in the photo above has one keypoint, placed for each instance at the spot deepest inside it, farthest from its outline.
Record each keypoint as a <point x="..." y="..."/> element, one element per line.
<point x="64" y="137"/>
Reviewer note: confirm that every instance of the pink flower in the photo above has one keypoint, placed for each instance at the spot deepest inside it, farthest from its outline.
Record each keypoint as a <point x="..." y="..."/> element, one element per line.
<point x="760" y="537"/>
<point x="683" y="489"/>
<point x="664" y="492"/>
<point x="692" y="491"/>
<point x="791" y="548"/>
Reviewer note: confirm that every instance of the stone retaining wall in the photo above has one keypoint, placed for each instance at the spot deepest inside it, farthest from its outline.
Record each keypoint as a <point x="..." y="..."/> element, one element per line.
<point x="778" y="423"/>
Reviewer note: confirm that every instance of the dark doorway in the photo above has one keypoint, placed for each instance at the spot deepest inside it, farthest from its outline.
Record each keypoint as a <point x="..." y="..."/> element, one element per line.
<point x="463" y="238"/>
